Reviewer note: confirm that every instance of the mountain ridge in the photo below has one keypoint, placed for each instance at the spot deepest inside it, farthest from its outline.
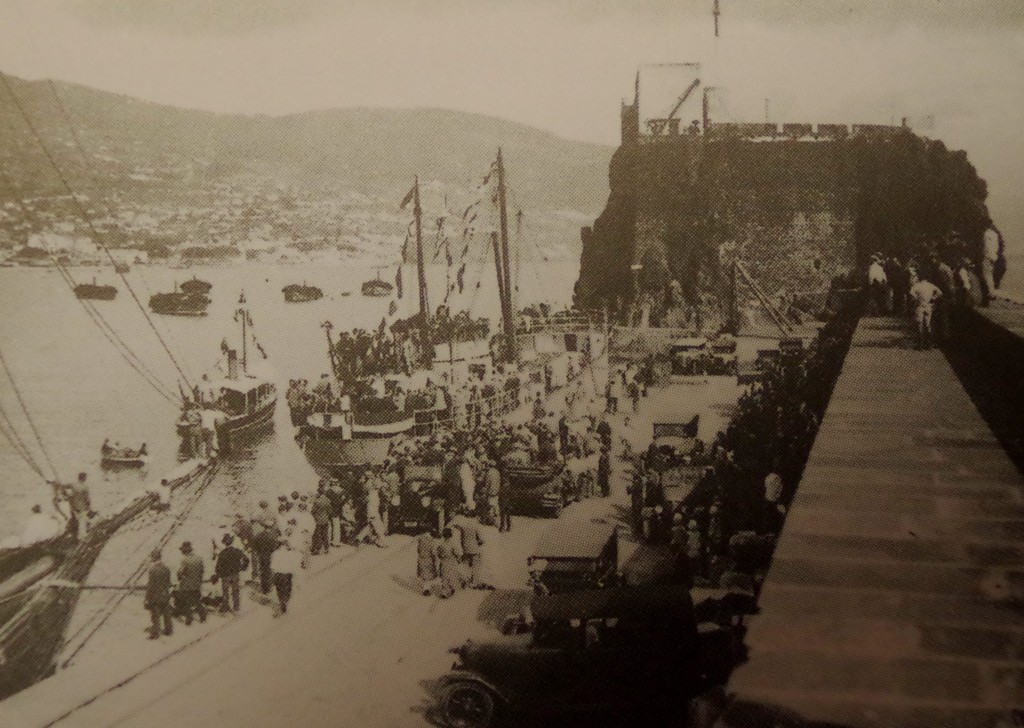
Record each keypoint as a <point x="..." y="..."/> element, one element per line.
<point x="370" y="149"/>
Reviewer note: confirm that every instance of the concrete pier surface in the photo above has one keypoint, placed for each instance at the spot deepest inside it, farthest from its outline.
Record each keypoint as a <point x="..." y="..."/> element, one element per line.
<point x="896" y="596"/>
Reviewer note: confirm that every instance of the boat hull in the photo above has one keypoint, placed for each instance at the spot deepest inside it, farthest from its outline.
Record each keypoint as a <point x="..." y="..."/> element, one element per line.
<point x="258" y="419"/>
<point x="328" y="456"/>
<point x="112" y="463"/>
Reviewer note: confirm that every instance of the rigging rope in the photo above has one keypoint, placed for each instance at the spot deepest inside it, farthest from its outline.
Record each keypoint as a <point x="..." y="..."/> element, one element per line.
<point x="88" y="220"/>
<point x="119" y="596"/>
<point x="28" y="417"/>
<point x="17" y="444"/>
<point x="101" y="323"/>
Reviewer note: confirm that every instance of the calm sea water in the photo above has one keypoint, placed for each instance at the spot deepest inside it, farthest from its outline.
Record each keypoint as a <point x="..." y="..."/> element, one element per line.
<point x="79" y="390"/>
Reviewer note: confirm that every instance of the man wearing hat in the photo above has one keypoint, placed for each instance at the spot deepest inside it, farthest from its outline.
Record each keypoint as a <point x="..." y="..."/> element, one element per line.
<point x="158" y="596"/>
<point x="190" y="584"/>
<point x="231" y="562"/>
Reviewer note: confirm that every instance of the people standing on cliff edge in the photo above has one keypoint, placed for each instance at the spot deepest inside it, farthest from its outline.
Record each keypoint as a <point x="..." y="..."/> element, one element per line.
<point x="924" y="294"/>
<point x="993" y="262"/>
<point x="878" y="286"/>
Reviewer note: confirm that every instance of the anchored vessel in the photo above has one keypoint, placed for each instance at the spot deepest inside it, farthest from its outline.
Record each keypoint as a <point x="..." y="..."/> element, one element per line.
<point x="376" y="288"/>
<point x="245" y="398"/>
<point x="294" y="293"/>
<point x="194" y="285"/>
<point x="357" y="428"/>
<point x="179" y="303"/>
<point x="95" y="292"/>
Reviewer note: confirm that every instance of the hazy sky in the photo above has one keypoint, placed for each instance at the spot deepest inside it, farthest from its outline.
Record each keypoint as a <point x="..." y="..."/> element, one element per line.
<point x="562" y="65"/>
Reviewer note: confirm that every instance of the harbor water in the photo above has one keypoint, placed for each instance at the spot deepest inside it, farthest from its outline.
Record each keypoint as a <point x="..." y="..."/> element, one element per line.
<point x="79" y="390"/>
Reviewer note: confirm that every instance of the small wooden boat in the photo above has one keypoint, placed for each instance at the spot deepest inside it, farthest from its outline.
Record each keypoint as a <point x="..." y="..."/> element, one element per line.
<point x="377" y="288"/>
<point x="294" y="293"/>
<point x="345" y="293"/>
<point x="92" y="291"/>
<point x="179" y="303"/>
<point x="124" y="457"/>
<point x="194" y="285"/>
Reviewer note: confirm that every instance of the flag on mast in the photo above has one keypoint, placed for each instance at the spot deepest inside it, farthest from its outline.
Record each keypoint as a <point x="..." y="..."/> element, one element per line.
<point x="408" y="197"/>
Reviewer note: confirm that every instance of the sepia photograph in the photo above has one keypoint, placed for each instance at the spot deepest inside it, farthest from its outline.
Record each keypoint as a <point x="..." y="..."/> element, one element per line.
<point x="526" y="363"/>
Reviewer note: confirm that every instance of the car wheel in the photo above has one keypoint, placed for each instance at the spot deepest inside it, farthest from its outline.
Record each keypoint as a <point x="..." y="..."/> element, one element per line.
<point x="468" y="705"/>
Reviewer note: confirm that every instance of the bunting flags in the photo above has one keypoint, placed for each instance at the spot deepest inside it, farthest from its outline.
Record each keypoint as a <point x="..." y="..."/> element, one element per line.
<point x="383" y="326"/>
<point x="460" y="277"/>
<point x="393" y="308"/>
<point x="448" y="256"/>
<point x="408" y="197"/>
<point x="224" y="346"/>
<point x="398" y="281"/>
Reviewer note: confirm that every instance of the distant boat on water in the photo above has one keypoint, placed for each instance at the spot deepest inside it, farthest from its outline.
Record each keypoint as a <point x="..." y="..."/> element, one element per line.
<point x="95" y="292"/>
<point x="194" y="285"/>
<point x="376" y="287"/>
<point x="294" y="293"/>
<point x="179" y="303"/>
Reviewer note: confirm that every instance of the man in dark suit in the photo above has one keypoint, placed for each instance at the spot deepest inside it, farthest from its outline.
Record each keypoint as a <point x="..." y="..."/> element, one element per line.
<point x="190" y="584"/>
<point x="158" y="596"/>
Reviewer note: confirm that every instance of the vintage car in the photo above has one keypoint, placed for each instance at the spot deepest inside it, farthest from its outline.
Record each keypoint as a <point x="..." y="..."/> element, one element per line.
<point x="629" y="652"/>
<point x="536" y="487"/>
<point x="575" y="557"/>
<point x="419" y="504"/>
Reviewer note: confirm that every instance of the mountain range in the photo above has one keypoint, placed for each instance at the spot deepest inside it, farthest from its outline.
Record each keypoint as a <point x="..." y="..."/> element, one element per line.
<point x="145" y="150"/>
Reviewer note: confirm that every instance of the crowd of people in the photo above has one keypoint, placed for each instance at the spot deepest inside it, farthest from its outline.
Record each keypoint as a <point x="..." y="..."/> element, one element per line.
<point x="725" y="529"/>
<point x="932" y="291"/>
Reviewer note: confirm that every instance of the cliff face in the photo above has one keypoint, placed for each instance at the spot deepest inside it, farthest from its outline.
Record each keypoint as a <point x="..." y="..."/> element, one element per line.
<point x="797" y="214"/>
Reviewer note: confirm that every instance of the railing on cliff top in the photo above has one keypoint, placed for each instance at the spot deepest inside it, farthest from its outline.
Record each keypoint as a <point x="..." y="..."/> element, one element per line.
<point x="765" y="131"/>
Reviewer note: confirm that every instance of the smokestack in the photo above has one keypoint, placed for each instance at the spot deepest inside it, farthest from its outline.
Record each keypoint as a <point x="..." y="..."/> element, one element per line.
<point x="232" y="364"/>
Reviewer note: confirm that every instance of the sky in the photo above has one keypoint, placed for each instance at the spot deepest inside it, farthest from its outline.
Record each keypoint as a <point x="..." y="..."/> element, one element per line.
<point x="561" y="65"/>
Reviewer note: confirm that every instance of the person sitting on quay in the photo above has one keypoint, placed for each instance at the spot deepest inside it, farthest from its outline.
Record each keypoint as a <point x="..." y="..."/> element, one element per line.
<point x="450" y="564"/>
<point x="427" y="561"/>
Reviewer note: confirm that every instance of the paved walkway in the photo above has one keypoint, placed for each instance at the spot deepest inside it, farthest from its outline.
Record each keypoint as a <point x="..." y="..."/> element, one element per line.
<point x="895" y="596"/>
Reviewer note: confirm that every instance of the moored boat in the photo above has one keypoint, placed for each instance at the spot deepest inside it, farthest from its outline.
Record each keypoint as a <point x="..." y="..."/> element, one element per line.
<point x="179" y="303"/>
<point x="93" y="291"/>
<point x="295" y="293"/>
<point x="241" y="401"/>
<point x="126" y="457"/>
<point x="376" y="288"/>
<point x="194" y="285"/>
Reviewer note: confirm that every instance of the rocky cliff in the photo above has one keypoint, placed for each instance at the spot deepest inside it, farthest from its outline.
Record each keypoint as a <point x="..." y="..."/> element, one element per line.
<point x="796" y="213"/>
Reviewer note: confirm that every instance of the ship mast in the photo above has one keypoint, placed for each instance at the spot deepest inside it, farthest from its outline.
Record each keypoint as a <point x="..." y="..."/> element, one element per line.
<point x="505" y="284"/>
<point x="245" y="348"/>
<point x="420" y="268"/>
